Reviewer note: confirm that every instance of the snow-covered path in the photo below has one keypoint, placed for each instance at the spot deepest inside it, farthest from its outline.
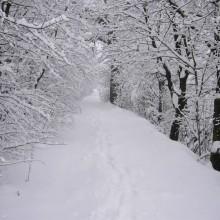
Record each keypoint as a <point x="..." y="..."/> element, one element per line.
<point x="115" y="166"/>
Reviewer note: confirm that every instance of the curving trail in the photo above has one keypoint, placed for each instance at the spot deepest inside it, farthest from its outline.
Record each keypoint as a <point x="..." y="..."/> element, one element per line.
<point x="116" y="166"/>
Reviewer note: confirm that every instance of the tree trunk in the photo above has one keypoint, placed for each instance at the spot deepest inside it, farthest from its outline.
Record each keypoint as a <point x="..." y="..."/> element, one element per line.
<point x="182" y="104"/>
<point x="216" y="115"/>
<point x="175" y="128"/>
<point x="216" y="120"/>
<point x="215" y="155"/>
<point x="113" y="84"/>
<point x="161" y="85"/>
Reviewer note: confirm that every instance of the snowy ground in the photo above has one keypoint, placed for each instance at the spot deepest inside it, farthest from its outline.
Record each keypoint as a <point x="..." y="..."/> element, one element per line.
<point x="115" y="166"/>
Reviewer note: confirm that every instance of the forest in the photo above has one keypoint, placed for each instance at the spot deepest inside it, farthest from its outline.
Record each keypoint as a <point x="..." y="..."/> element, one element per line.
<point x="109" y="109"/>
<point x="159" y="59"/>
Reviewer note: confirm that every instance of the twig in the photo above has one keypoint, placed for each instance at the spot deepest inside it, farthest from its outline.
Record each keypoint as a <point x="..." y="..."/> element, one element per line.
<point x="34" y="142"/>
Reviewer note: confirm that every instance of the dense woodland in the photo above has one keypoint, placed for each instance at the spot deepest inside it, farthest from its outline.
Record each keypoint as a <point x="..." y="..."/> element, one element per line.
<point x="158" y="58"/>
<point x="44" y="66"/>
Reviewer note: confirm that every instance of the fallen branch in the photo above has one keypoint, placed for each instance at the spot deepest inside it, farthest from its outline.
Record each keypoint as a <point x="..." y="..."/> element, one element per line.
<point x="33" y="142"/>
<point x="20" y="161"/>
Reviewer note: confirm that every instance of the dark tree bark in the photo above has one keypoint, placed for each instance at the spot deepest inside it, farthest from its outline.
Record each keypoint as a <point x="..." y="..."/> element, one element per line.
<point x="161" y="84"/>
<point x="113" y="84"/>
<point x="5" y="6"/>
<point x="182" y="104"/>
<point x="215" y="160"/>
<point x="215" y="156"/>
<point x="180" y="44"/>
<point x="216" y="120"/>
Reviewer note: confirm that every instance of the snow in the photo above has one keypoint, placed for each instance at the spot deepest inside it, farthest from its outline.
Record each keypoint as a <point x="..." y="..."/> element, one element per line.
<point x="115" y="166"/>
<point x="215" y="146"/>
<point x="25" y="23"/>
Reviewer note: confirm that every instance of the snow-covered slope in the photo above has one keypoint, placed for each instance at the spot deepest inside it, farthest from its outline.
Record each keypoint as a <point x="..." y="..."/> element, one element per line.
<point x="115" y="166"/>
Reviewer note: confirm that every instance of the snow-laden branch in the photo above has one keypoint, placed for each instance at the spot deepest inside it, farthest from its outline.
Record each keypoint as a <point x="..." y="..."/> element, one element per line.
<point x="187" y="63"/>
<point x="23" y="22"/>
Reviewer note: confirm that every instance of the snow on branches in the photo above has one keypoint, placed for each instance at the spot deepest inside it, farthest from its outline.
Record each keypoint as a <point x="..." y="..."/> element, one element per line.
<point x="44" y="66"/>
<point x="172" y="48"/>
